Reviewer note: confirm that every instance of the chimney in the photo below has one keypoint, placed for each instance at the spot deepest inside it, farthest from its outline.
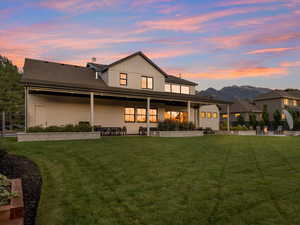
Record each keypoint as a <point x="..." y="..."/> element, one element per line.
<point x="94" y="60"/>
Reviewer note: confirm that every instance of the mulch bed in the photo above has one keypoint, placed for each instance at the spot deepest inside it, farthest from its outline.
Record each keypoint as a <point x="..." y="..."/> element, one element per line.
<point x="14" y="166"/>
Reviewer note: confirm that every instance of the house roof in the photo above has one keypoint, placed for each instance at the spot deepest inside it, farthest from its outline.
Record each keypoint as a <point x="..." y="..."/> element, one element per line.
<point x="62" y="76"/>
<point x="169" y="78"/>
<point x="292" y="94"/>
<point x="242" y="106"/>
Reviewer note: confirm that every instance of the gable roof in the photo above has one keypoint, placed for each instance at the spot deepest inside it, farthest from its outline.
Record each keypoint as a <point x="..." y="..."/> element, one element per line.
<point x="60" y="73"/>
<point x="169" y="78"/>
<point x="276" y="94"/>
<point x="242" y="106"/>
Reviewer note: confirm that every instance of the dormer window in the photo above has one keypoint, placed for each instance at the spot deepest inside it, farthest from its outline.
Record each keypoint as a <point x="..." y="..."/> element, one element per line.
<point x="147" y="82"/>
<point x="123" y="79"/>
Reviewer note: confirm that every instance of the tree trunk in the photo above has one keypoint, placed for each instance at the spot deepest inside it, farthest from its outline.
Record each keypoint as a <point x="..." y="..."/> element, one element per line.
<point x="3" y="123"/>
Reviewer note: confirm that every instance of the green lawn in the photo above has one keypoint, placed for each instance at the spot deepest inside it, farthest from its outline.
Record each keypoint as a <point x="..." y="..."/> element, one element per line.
<point x="160" y="181"/>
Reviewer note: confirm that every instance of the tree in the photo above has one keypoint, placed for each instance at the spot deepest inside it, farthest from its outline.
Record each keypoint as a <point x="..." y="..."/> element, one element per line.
<point x="265" y="115"/>
<point x="277" y="118"/>
<point x="252" y="120"/>
<point x="11" y="91"/>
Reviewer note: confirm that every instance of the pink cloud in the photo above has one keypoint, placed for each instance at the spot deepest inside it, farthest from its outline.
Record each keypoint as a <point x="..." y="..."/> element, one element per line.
<point x="291" y="64"/>
<point x="270" y="50"/>
<point x="193" y="23"/>
<point x="238" y="73"/>
<point x="246" y="2"/>
<point x="139" y="3"/>
<point x="170" y="53"/>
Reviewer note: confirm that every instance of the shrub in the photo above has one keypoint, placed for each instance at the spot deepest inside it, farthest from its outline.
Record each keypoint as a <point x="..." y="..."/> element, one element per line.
<point x="171" y="125"/>
<point x="239" y="128"/>
<point x="5" y="191"/>
<point x="81" y="127"/>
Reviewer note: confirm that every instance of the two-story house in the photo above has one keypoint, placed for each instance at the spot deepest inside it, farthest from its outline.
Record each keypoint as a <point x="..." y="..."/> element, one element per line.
<point x="279" y="100"/>
<point x="130" y="92"/>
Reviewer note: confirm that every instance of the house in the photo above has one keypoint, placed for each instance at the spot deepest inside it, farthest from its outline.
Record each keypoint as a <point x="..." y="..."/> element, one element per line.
<point x="130" y="92"/>
<point x="242" y="108"/>
<point x="279" y="100"/>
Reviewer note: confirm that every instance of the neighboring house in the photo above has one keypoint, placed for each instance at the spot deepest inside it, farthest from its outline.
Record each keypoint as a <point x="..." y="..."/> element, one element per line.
<point x="242" y="108"/>
<point x="115" y="95"/>
<point x="279" y="100"/>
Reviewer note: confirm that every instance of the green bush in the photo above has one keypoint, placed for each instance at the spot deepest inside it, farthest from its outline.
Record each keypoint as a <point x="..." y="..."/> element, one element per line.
<point x="239" y="128"/>
<point x="5" y="191"/>
<point x="171" y="125"/>
<point x="81" y="127"/>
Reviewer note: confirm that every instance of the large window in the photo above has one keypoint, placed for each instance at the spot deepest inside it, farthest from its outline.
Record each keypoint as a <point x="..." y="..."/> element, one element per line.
<point x="129" y="115"/>
<point x="203" y="115"/>
<point x="177" y="116"/>
<point x="215" y="115"/>
<point x="140" y="115"/>
<point x="147" y="82"/>
<point x="123" y="79"/>
<point x="185" y="90"/>
<point x="285" y="101"/>
<point x="167" y="87"/>
<point x="176" y="88"/>
<point x="209" y="115"/>
<point x="295" y="103"/>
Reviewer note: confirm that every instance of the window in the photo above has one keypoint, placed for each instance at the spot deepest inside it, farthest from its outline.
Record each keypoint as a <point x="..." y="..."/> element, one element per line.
<point x="177" y="116"/>
<point x="129" y="115"/>
<point x="285" y="101"/>
<point x="123" y="79"/>
<point x="141" y="115"/>
<point x="215" y="115"/>
<point x="225" y="116"/>
<point x="153" y="115"/>
<point x="237" y="115"/>
<point x="282" y="116"/>
<point x="147" y="82"/>
<point x="295" y="103"/>
<point x="185" y="90"/>
<point x="167" y="87"/>
<point x="203" y="115"/>
<point x="175" y="88"/>
<point x="208" y="115"/>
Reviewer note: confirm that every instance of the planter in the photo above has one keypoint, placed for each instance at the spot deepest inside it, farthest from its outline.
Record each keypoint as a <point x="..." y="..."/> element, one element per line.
<point x="13" y="212"/>
<point x="193" y="133"/>
<point x="57" y="136"/>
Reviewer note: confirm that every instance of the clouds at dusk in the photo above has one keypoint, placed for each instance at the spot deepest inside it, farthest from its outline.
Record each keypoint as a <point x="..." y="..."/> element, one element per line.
<point x="206" y="41"/>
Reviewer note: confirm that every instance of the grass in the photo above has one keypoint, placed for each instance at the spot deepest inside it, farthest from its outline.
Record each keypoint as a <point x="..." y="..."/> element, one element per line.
<point x="159" y="181"/>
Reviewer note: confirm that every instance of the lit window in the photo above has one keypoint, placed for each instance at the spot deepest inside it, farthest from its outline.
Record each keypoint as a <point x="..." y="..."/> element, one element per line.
<point x="168" y="87"/>
<point x="295" y="103"/>
<point x="285" y="101"/>
<point x="185" y="90"/>
<point x="147" y="82"/>
<point x="215" y="115"/>
<point x="282" y="116"/>
<point x="153" y="115"/>
<point x="225" y="116"/>
<point x="203" y="115"/>
<point x="209" y="115"/>
<point x="177" y="116"/>
<point x="141" y="115"/>
<point x="129" y="115"/>
<point x="123" y="79"/>
<point x="237" y="115"/>
<point x="176" y="88"/>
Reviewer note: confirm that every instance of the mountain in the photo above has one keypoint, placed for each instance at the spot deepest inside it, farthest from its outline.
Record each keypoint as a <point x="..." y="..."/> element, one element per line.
<point x="233" y="92"/>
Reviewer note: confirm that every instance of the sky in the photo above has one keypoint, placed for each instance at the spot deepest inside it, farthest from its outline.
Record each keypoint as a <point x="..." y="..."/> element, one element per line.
<point x="215" y="43"/>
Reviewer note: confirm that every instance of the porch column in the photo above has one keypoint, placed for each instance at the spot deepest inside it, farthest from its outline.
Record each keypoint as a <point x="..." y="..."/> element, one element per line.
<point x="92" y="110"/>
<point x="199" y="115"/>
<point x="148" y="116"/>
<point x="189" y="110"/>
<point x="228" y="118"/>
<point x="26" y="110"/>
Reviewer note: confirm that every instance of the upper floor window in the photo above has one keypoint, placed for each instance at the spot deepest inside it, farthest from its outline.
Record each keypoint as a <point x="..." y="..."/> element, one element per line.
<point x="185" y="90"/>
<point x="123" y="79"/>
<point x="168" y="87"/>
<point x="176" y="88"/>
<point x="285" y="101"/>
<point x="147" y="82"/>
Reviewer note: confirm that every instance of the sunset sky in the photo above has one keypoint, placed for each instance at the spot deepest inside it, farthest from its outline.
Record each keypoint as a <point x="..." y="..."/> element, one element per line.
<point x="213" y="42"/>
